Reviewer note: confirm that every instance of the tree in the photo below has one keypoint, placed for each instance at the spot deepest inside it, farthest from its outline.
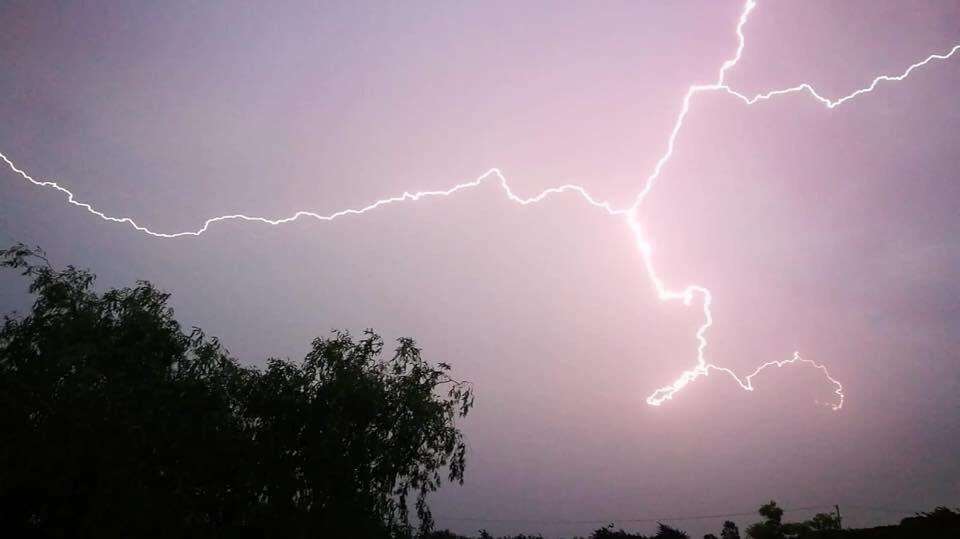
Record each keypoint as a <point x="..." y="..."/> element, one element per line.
<point x="771" y="511"/>
<point x="347" y="437"/>
<point x="117" y="423"/>
<point x="609" y="532"/>
<point x="771" y="527"/>
<point x="730" y="530"/>
<point x="667" y="532"/>
<point x="108" y="407"/>
<point x="941" y="522"/>
<point x="815" y="527"/>
<point x="824" y="522"/>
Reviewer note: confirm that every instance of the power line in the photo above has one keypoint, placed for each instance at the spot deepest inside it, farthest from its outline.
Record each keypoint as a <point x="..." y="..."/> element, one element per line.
<point x="631" y="520"/>
<point x="884" y="509"/>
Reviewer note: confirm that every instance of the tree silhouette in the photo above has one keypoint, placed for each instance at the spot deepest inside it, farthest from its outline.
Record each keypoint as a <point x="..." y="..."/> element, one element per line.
<point x="730" y="530"/>
<point x="772" y="512"/>
<point x="771" y="527"/>
<point x="610" y="533"/>
<point x="117" y="423"/>
<point x="663" y="532"/>
<point x="941" y="522"/>
<point x="362" y="434"/>
<point x="667" y="532"/>
<point x="819" y="525"/>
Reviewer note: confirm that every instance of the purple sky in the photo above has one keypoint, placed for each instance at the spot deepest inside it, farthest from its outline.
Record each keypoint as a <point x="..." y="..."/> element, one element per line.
<point x="832" y="232"/>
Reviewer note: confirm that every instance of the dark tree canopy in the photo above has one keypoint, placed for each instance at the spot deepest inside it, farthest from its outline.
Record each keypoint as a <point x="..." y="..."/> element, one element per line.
<point x="668" y="532"/>
<point x="118" y="423"/>
<point x="663" y="532"/>
<point x="730" y="530"/>
<point x="773" y="527"/>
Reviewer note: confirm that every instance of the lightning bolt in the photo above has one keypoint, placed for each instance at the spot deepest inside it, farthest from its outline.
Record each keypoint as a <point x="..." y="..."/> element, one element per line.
<point x="686" y="295"/>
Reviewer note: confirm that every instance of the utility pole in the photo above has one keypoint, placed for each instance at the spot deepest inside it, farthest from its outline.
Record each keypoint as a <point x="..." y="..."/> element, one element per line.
<point x="839" y="520"/>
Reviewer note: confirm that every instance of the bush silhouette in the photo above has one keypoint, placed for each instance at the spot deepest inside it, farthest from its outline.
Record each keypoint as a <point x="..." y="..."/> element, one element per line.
<point x="117" y="423"/>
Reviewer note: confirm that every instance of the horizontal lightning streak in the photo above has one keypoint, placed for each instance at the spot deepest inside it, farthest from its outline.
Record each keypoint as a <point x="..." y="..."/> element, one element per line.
<point x="492" y="173"/>
<point x="686" y="295"/>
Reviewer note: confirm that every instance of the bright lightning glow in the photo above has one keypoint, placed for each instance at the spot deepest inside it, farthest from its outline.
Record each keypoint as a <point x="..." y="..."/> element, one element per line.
<point x="686" y="294"/>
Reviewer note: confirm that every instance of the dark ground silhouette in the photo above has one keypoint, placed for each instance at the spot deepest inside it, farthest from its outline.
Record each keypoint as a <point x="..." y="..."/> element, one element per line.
<point x="118" y="423"/>
<point x="941" y="523"/>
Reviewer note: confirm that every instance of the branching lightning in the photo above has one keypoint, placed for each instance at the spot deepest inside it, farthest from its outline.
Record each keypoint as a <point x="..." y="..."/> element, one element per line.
<point x="687" y="294"/>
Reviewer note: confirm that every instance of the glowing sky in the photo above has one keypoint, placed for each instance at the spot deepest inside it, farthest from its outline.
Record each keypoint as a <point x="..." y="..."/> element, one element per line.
<point x="828" y="231"/>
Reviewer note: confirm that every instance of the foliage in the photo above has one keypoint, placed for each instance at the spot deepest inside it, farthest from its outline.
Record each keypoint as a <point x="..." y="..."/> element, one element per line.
<point x="484" y="534"/>
<point x="117" y="423"/>
<point x="770" y="527"/>
<point x="666" y="532"/>
<point x="730" y="530"/>
<point x="663" y="532"/>
<point x="773" y="527"/>
<point x="941" y="522"/>
<point x="610" y="533"/>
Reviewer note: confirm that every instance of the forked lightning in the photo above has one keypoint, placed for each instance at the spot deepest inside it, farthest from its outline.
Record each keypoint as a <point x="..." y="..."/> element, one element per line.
<point x="629" y="214"/>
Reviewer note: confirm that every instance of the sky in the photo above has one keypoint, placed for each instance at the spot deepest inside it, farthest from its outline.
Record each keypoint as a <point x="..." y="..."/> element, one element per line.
<point x="832" y="232"/>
